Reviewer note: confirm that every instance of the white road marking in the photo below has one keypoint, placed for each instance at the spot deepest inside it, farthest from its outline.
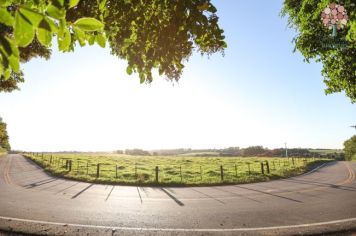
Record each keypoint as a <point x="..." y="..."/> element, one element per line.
<point x="181" y="229"/>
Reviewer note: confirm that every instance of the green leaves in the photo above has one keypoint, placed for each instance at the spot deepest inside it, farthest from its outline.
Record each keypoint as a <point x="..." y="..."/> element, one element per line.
<point x="44" y="31"/>
<point x="64" y="40"/>
<point x="24" y="32"/>
<point x="44" y="36"/>
<point x="43" y="19"/>
<point x="313" y="42"/>
<point x="159" y="35"/>
<point x="89" y="24"/>
<point x="101" y="40"/>
<point x="73" y="3"/>
<point x="5" y="17"/>
<point x="31" y="16"/>
<point x="55" y="12"/>
<point x="129" y="70"/>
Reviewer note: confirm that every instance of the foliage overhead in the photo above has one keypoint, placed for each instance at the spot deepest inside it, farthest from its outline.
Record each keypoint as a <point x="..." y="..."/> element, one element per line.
<point x="350" y="148"/>
<point x="313" y="40"/>
<point x="4" y="138"/>
<point x="156" y="34"/>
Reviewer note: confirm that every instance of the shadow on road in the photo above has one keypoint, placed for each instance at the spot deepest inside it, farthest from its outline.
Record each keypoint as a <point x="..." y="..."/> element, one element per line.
<point x="82" y="191"/>
<point x="67" y="187"/>
<point x="320" y="184"/>
<point x="172" y="197"/>
<point x="236" y="194"/>
<point x="267" y="193"/>
<point x="41" y="182"/>
<point x="109" y="193"/>
<point x="209" y="196"/>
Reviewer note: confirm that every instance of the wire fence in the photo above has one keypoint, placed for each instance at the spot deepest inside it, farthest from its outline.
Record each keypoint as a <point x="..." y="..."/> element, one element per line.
<point x="141" y="172"/>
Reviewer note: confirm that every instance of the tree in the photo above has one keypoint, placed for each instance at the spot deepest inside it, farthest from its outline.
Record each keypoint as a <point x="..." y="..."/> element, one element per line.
<point x="337" y="54"/>
<point x="350" y="148"/>
<point x="254" y="151"/>
<point x="4" y="138"/>
<point x="150" y="35"/>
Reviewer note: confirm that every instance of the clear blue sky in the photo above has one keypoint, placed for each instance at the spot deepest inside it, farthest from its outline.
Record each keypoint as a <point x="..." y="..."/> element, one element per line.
<point x="260" y="93"/>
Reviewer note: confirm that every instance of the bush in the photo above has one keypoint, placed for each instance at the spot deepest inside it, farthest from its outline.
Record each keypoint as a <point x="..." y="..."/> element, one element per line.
<point x="350" y="148"/>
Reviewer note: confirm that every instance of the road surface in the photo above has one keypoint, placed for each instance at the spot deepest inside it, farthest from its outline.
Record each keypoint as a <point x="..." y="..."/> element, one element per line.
<point x="35" y="202"/>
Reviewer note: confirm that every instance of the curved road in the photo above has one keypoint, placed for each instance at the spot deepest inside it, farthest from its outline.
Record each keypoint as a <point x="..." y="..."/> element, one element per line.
<point x="32" y="201"/>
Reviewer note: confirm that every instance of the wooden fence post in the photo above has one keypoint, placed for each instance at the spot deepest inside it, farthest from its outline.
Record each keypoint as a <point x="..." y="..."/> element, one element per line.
<point x="201" y="174"/>
<point x="116" y="171"/>
<point x="222" y="173"/>
<point x="249" y="170"/>
<point x="262" y="168"/>
<point x="156" y="170"/>
<point x="136" y="171"/>
<point x="267" y="165"/>
<point x="98" y="170"/>
<point x="181" y="176"/>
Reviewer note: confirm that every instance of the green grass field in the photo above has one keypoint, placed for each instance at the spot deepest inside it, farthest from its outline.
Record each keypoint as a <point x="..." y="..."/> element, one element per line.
<point x="184" y="170"/>
<point x="326" y="151"/>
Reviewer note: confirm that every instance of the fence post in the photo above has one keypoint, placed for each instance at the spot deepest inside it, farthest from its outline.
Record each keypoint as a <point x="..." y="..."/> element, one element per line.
<point x="116" y="171"/>
<point x="70" y="165"/>
<point x="293" y="160"/>
<point x="136" y="171"/>
<point x="201" y="174"/>
<point x="97" y="170"/>
<point x="87" y="167"/>
<point x="181" y="176"/>
<point x="267" y="165"/>
<point x="156" y="170"/>
<point x="222" y="173"/>
<point x="274" y="166"/>
<point x="262" y="168"/>
<point x="235" y="171"/>
<point x="249" y="170"/>
<point x="77" y="166"/>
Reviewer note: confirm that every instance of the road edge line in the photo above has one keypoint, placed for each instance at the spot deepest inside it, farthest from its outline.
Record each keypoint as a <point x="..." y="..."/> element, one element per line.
<point x="347" y="220"/>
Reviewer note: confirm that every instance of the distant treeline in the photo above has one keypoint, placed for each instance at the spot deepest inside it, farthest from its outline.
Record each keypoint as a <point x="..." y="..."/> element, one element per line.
<point x="236" y="151"/>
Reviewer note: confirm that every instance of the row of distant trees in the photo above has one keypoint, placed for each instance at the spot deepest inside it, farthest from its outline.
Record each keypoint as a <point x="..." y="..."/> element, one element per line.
<point x="234" y="151"/>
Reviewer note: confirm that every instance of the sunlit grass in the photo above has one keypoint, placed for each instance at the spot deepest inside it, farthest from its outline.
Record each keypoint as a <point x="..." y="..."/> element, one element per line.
<point x="173" y="170"/>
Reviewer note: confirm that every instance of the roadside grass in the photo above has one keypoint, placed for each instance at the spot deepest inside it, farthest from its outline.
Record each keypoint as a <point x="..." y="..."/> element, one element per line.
<point x="172" y="170"/>
<point x="2" y="152"/>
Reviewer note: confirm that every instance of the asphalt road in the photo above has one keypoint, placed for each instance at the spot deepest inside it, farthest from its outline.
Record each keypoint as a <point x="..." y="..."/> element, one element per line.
<point x="32" y="201"/>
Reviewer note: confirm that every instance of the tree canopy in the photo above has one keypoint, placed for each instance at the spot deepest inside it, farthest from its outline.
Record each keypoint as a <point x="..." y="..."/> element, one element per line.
<point x="155" y="34"/>
<point x="313" y="40"/>
<point x="4" y="138"/>
<point x="350" y="148"/>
